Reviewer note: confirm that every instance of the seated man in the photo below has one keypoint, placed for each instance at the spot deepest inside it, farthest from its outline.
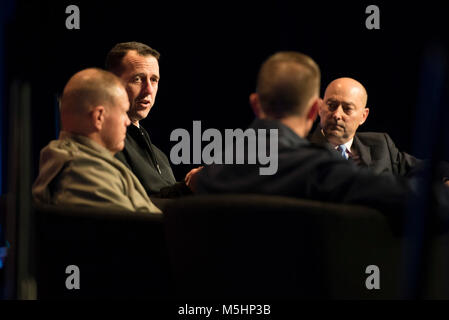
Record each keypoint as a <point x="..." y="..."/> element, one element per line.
<point x="341" y="113"/>
<point x="80" y="168"/>
<point x="287" y="101"/>
<point x="136" y="64"/>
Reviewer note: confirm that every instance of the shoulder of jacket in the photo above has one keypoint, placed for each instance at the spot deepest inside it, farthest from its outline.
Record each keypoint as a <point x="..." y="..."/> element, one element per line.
<point x="60" y="149"/>
<point x="373" y="136"/>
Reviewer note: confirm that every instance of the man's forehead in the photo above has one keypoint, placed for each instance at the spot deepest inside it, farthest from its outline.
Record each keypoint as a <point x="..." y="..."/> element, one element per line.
<point x="339" y="98"/>
<point x="350" y="96"/>
<point x="345" y="89"/>
<point x="134" y="62"/>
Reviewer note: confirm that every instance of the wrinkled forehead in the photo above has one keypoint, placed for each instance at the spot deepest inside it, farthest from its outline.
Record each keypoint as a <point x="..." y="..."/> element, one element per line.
<point x="347" y="94"/>
<point x="133" y="63"/>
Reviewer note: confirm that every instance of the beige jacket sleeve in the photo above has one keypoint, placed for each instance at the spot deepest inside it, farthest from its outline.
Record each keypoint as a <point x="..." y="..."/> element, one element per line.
<point x="85" y="182"/>
<point x="81" y="173"/>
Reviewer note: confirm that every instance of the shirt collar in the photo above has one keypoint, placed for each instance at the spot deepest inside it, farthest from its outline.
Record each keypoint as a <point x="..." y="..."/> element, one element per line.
<point x="349" y="144"/>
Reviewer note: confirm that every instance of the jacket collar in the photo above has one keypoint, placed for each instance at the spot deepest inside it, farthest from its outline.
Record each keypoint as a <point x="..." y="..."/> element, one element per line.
<point x="287" y="137"/>
<point x="87" y="142"/>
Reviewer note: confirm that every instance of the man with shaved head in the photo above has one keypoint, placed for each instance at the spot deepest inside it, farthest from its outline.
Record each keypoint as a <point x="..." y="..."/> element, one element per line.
<point x="79" y="168"/>
<point x="287" y="101"/>
<point x="342" y="111"/>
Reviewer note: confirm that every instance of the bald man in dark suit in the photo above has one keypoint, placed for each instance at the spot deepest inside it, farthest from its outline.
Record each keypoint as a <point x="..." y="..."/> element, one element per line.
<point x="342" y="111"/>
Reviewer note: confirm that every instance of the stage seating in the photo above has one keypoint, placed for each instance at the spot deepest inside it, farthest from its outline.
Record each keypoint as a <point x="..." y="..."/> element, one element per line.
<point x="119" y="254"/>
<point x="230" y="246"/>
<point x="254" y="246"/>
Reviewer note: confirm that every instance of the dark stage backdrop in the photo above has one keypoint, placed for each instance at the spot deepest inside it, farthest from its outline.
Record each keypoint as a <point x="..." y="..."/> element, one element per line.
<point x="210" y="54"/>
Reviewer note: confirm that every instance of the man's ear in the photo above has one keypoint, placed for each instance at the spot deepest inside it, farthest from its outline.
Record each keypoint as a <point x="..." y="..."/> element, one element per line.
<point x="320" y="106"/>
<point x="254" y="101"/>
<point x="313" y="111"/>
<point x="364" y="115"/>
<point x="97" y="117"/>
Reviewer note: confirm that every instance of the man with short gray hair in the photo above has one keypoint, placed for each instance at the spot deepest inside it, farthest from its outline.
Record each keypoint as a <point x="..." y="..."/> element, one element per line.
<point x="287" y="100"/>
<point x="79" y="168"/>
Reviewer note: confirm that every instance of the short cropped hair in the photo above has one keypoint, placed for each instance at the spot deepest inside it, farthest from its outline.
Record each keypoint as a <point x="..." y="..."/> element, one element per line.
<point x="96" y="88"/>
<point x="286" y="82"/>
<point x="115" y="55"/>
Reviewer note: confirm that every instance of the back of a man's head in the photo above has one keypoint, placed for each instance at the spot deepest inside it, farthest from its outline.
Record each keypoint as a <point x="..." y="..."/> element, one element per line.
<point x="84" y="91"/>
<point x="286" y="83"/>
<point x="115" y="55"/>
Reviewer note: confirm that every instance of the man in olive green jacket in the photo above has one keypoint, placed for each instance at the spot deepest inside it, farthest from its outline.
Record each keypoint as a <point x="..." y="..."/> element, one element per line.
<point x="80" y="168"/>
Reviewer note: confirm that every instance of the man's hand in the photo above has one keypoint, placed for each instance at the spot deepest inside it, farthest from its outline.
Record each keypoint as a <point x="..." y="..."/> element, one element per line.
<point x="190" y="178"/>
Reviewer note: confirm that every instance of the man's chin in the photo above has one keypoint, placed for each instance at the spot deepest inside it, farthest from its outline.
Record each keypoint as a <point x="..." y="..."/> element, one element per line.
<point x="334" y="133"/>
<point x="336" y="138"/>
<point x="136" y="117"/>
<point x="119" y="148"/>
<point x="142" y="114"/>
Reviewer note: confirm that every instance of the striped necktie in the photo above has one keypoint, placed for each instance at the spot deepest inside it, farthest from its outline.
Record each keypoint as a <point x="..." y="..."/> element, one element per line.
<point x="342" y="149"/>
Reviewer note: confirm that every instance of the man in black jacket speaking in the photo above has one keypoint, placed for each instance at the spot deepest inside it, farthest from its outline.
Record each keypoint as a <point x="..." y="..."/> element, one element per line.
<point x="137" y="65"/>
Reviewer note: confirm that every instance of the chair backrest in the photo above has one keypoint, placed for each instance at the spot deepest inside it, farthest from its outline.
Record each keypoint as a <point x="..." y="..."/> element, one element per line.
<point x="228" y="246"/>
<point x="257" y="246"/>
<point x="119" y="254"/>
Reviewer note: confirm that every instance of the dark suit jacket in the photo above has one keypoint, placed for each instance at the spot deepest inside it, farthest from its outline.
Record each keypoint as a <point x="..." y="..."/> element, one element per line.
<point x="306" y="171"/>
<point x="150" y="165"/>
<point x="375" y="151"/>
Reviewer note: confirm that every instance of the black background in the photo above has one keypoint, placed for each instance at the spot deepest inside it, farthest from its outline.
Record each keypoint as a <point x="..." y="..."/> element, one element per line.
<point x="211" y="52"/>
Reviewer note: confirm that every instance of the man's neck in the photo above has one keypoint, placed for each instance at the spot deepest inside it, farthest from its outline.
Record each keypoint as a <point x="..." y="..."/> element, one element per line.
<point x="297" y="124"/>
<point x="95" y="137"/>
<point x="136" y="123"/>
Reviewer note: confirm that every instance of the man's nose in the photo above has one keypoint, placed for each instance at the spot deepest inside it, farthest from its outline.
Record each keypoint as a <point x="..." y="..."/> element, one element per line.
<point x="147" y="87"/>
<point x="337" y="114"/>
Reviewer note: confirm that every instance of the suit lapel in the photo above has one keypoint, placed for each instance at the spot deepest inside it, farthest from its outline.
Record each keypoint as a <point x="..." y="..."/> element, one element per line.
<point x="363" y="150"/>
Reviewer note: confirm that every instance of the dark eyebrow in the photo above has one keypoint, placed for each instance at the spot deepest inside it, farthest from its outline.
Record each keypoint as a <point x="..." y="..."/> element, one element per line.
<point x="343" y="103"/>
<point x="142" y="75"/>
<point x="348" y="103"/>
